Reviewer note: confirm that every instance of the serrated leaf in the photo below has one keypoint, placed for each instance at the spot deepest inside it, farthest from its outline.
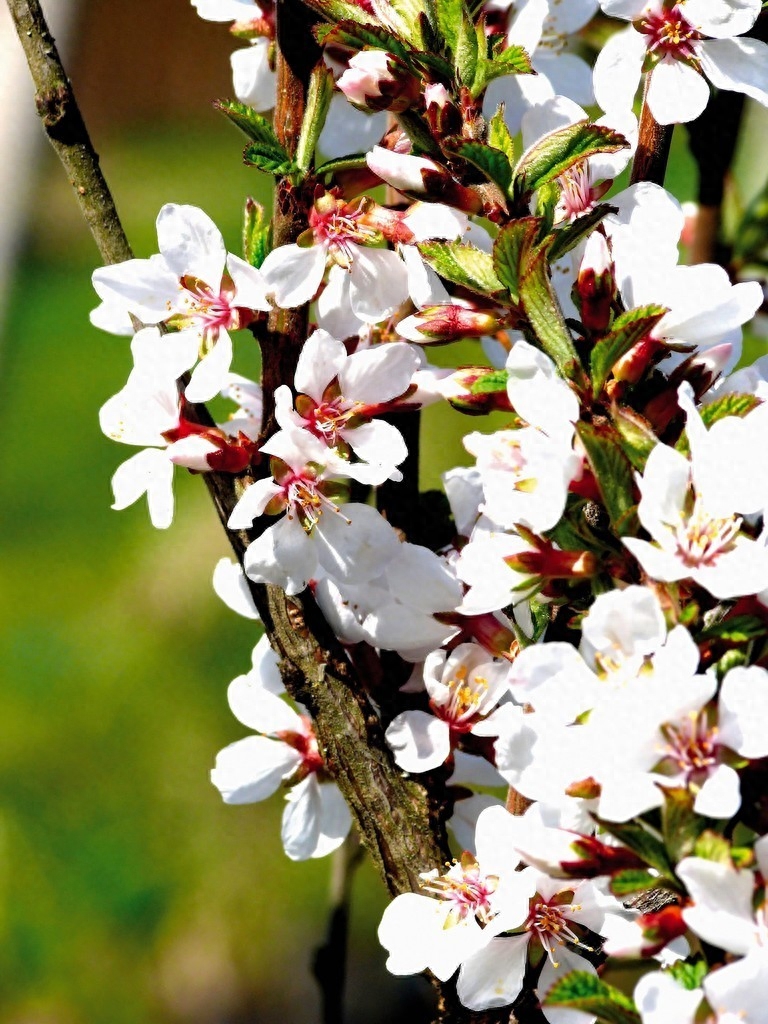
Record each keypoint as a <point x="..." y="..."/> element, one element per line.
<point x="560" y="150"/>
<point x="542" y="310"/>
<point x="490" y="383"/>
<point x="271" y="159"/>
<point x="351" y="35"/>
<point x="636" y="436"/>
<point x="339" y="11"/>
<point x="512" y="244"/>
<point x="569" y="236"/>
<point x="515" y="60"/>
<point x="627" y="329"/>
<point x="499" y="135"/>
<point x="256" y="127"/>
<point x="640" y="841"/>
<point x="680" y="825"/>
<point x="417" y="130"/>
<point x="466" y="51"/>
<point x="319" y="93"/>
<point x="612" y="472"/>
<point x="448" y="16"/>
<point x="547" y="198"/>
<point x="582" y="990"/>
<point x="433" y="62"/>
<point x="632" y="880"/>
<point x="492" y="162"/>
<point x="463" y="264"/>
<point x="405" y="17"/>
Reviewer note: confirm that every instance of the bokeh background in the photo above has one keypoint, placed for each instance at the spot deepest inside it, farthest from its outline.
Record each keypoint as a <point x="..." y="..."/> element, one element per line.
<point x="129" y="894"/>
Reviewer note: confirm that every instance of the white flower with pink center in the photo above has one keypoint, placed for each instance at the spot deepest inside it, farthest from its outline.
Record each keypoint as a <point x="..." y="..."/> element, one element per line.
<point x="693" y="509"/>
<point x="476" y="899"/>
<point x="285" y="754"/>
<point x="681" y="45"/>
<point x="192" y="285"/>
<point x="464" y="687"/>
<point x="561" y="916"/>
<point x="338" y="396"/>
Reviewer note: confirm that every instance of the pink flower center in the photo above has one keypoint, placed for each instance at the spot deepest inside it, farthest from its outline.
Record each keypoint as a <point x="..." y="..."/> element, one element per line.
<point x="466" y="692"/>
<point x="340" y="229"/>
<point x="701" y="537"/>
<point x="579" y="195"/>
<point x="547" y="921"/>
<point x="305" y="500"/>
<point x="465" y="888"/>
<point x="691" y="745"/>
<point x="304" y="742"/>
<point x="207" y="309"/>
<point x="669" y="34"/>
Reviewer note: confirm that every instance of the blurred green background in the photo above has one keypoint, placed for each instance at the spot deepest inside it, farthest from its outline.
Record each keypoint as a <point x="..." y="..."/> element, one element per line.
<point x="128" y="892"/>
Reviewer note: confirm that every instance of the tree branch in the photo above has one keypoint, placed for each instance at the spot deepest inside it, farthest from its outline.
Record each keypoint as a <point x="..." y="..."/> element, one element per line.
<point x="66" y="131"/>
<point x="654" y="140"/>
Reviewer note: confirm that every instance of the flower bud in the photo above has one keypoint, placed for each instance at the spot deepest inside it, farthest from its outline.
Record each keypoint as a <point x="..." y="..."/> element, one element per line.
<point x="447" y="322"/>
<point x="596" y="284"/>
<point x="462" y="392"/>
<point x="376" y="80"/>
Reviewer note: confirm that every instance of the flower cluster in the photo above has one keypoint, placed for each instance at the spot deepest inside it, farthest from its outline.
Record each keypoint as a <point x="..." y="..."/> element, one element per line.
<point x="585" y="622"/>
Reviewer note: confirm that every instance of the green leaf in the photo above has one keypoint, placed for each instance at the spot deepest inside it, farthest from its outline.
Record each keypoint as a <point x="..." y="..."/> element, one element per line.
<point x="417" y="130"/>
<point x="689" y="974"/>
<point x="512" y="244"/>
<point x="582" y="990"/>
<point x="636" y="437"/>
<point x="680" y="826"/>
<point x="542" y="310"/>
<point x="642" y="842"/>
<point x="569" y="236"/>
<point x="499" y="136"/>
<point x="448" y="16"/>
<point x="515" y="60"/>
<point x="558" y="151"/>
<point x="339" y="11"/>
<point x="319" y="95"/>
<point x="466" y="49"/>
<point x="256" y="127"/>
<point x="490" y="383"/>
<point x="632" y="880"/>
<point x="613" y="474"/>
<point x="271" y="159"/>
<point x="738" y="629"/>
<point x="547" y="198"/>
<point x="492" y="162"/>
<point x="354" y="162"/>
<point x="257" y="233"/>
<point x="627" y="329"/>
<point x="405" y="16"/>
<point x="463" y="264"/>
<point x="350" y="35"/>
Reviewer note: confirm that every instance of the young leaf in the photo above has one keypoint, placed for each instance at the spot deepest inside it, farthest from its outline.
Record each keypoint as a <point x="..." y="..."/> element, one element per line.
<point x="349" y="35"/>
<point x="355" y="162"/>
<point x="490" y="383"/>
<point x="336" y="11"/>
<point x="467" y="54"/>
<point x="543" y="312"/>
<point x="558" y="151"/>
<point x="738" y="629"/>
<point x="512" y="61"/>
<point x="256" y="127"/>
<point x="689" y="974"/>
<point x="712" y="846"/>
<point x="632" y="880"/>
<point x="612" y="472"/>
<point x="492" y="162"/>
<point x="680" y="826"/>
<point x="733" y="404"/>
<point x="271" y="159"/>
<point x="448" y="16"/>
<point x="568" y="237"/>
<point x="257" y="233"/>
<point x="636" y="437"/>
<point x="499" y="136"/>
<point x="319" y="96"/>
<point x="582" y="990"/>
<point x="463" y="264"/>
<point x="627" y="329"/>
<point x="512" y="243"/>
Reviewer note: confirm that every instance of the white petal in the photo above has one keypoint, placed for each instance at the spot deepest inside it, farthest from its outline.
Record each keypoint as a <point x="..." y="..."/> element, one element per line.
<point x="660" y="999"/>
<point x="149" y="471"/>
<point x="252" y="503"/>
<point x="744" y="711"/>
<point x="720" y="796"/>
<point x="418" y="740"/>
<point x="357" y="550"/>
<point x="378" y="374"/>
<point x="210" y="375"/>
<point x="289" y="562"/>
<point x="676" y="92"/>
<point x="321" y="359"/>
<point x="721" y="18"/>
<point x="616" y="74"/>
<point x="300" y="828"/>
<point x="335" y="820"/>
<point x="252" y="769"/>
<point x="494" y="975"/>
<point x="191" y="243"/>
<point x="294" y="273"/>
<point x="253" y="705"/>
<point x="349" y="130"/>
<point x="227" y="10"/>
<point x="378" y="284"/>
<point x="738" y="64"/>
<point x="253" y="80"/>
<point x="420" y="579"/>
<point x="146" y="288"/>
<point x="230" y="586"/>
<point x="250" y="286"/>
<point x="722" y="903"/>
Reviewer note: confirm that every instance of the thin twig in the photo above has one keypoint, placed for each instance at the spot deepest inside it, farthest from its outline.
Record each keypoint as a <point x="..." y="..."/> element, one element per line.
<point x="654" y="140"/>
<point x="65" y="128"/>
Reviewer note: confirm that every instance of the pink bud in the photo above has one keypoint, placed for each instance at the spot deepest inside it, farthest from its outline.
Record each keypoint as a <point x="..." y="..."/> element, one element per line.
<point x="376" y="80"/>
<point x="447" y="323"/>
<point x="596" y="284"/>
